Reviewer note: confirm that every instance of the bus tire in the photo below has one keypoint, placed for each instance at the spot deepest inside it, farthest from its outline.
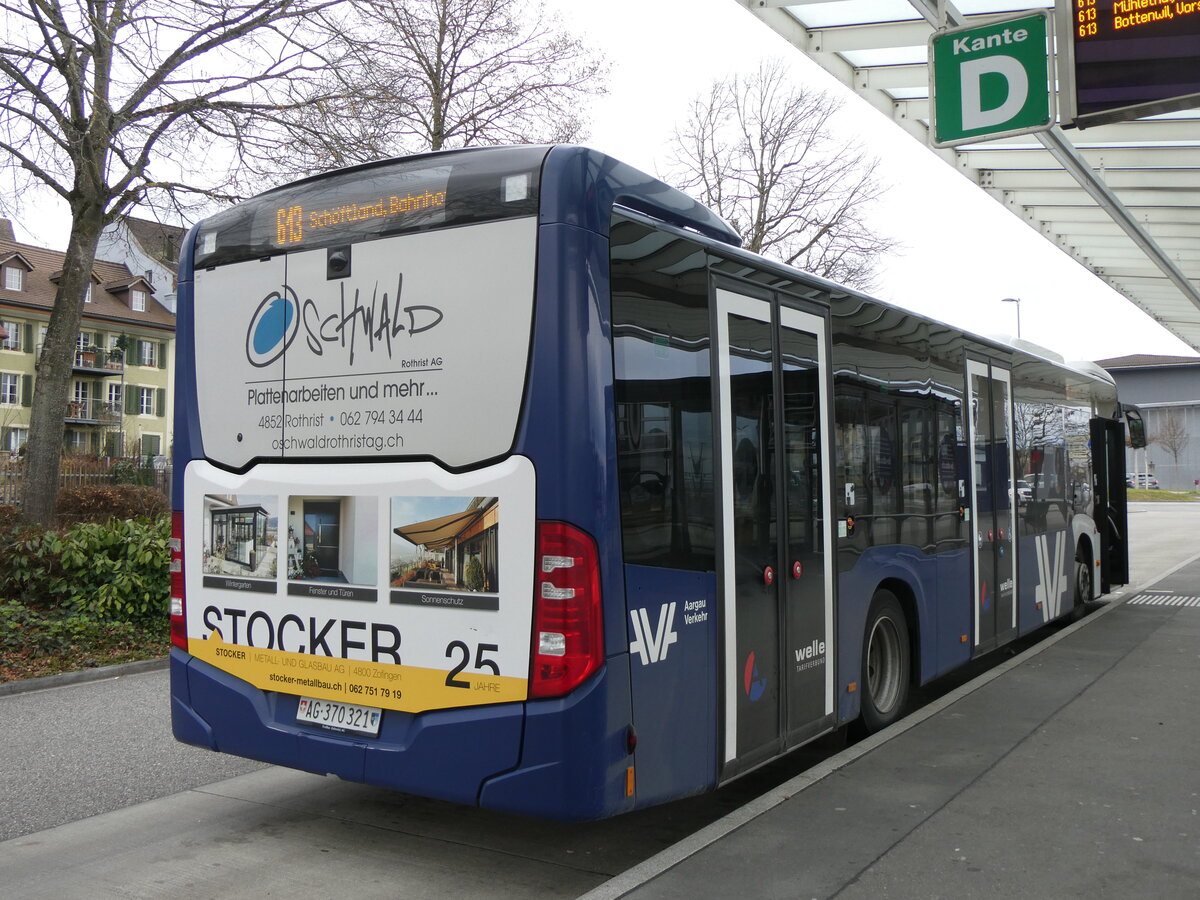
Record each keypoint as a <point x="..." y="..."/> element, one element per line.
<point x="886" y="663"/>
<point x="1082" y="591"/>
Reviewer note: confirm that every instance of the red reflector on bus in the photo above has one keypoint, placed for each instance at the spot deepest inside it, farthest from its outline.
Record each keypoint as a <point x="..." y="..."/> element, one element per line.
<point x="568" y="631"/>
<point x="178" y="609"/>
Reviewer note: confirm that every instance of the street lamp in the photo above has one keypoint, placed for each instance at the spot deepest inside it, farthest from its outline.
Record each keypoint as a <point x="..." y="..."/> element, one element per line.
<point x="1016" y="300"/>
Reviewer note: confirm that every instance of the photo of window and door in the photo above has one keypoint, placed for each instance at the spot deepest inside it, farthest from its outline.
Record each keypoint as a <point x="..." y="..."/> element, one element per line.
<point x="445" y="544"/>
<point x="333" y="540"/>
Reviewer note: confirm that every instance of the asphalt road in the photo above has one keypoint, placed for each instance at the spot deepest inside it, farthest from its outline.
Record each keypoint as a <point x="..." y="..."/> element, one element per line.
<point x="74" y="751"/>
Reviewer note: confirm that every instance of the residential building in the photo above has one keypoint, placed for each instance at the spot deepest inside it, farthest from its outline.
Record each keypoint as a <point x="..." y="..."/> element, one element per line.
<point x="121" y="401"/>
<point x="149" y="249"/>
<point x="1167" y="390"/>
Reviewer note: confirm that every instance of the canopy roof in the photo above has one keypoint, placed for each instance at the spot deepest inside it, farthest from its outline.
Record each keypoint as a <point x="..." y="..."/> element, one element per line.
<point x="1122" y="199"/>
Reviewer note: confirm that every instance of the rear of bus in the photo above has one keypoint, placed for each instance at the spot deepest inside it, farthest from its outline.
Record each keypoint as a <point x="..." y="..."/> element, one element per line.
<point x="393" y="476"/>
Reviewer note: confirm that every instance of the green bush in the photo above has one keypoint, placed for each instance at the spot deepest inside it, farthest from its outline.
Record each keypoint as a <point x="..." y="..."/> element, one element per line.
<point x="115" y="571"/>
<point x="26" y="630"/>
<point x="473" y="575"/>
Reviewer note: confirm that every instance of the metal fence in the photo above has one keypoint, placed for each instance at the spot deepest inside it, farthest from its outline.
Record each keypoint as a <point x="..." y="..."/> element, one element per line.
<point x="83" y="471"/>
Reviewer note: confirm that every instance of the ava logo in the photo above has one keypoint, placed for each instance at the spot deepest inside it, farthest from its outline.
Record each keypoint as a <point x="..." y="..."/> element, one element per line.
<point x="652" y="645"/>
<point x="752" y="680"/>
<point x="273" y="327"/>
<point x="1052" y="581"/>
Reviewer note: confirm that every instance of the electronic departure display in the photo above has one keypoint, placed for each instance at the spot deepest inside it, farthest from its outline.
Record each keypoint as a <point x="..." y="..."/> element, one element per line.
<point x="370" y="202"/>
<point x="295" y="221"/>
<point x="1130" y="58"/>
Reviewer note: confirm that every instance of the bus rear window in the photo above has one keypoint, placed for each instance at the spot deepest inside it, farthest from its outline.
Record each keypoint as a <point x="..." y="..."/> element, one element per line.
<point x="376" y="201"/>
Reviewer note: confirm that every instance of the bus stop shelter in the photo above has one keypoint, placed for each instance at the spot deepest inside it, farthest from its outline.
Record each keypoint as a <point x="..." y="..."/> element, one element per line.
<point x="1123" y="198"/>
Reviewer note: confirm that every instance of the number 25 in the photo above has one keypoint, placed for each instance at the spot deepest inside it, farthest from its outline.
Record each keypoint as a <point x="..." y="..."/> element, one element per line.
<point x="465" y="651"/>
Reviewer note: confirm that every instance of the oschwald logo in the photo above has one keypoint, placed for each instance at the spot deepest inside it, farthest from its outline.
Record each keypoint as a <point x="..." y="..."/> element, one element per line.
<point x="354" y="321"/>
<point x="273" y="327"/>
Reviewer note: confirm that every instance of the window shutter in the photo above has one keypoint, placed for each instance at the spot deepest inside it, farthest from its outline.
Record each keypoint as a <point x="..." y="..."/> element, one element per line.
<point x="137" y="352"/>
<point x="28" y="348"/>
<point x="131" y="400"/>
<point x="162" y="355"/>
<point x="27" y="390"/>
<point x="160" y="402"/>
<point x="5" y="438"/>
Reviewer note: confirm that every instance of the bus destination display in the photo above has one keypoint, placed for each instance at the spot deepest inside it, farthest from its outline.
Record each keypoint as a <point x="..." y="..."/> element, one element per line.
<point x="294" y="224"/>
<point x="1134" y="57"/>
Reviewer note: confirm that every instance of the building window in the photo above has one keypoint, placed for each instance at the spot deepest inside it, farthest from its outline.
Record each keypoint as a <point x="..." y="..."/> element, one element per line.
<point x="77" y="440"/>
<point x="10" y="389"/>
<point x="13" y="341"/>
<point x="151" y="444"/>
<point x="145" y="401"/>
<point x="87" y="294"/>
<point x="15" y="438"/>
<point x="115" y="399"/>
<point x="14" y="278"/>
<point x="137" y="300"/>
<point x="149" y="353"/>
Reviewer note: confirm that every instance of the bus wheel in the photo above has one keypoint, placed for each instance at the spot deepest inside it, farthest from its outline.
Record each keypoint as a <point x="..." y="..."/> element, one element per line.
<point x="1083" y="582"/>
<point x="885" y="666"/>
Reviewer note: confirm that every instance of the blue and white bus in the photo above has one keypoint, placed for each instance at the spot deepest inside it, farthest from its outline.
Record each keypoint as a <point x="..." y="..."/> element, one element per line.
<point x="509" y="479"/>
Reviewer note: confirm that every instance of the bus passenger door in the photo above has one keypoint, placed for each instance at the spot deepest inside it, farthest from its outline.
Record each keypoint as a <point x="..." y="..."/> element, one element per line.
<point x="776" y="572"/>
<point x="993" y="501"/>
<point x="1111" y="515"/>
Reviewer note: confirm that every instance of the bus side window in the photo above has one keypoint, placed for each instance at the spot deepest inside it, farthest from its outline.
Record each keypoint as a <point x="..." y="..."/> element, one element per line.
<point x="663" y="398"/>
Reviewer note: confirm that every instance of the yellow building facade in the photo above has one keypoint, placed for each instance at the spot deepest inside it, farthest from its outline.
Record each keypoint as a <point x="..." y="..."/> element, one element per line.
<point x="120" y="401"/>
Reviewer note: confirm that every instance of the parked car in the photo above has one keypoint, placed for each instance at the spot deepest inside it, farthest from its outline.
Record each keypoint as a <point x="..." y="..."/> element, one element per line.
<point x="1024" y="491"/>
<point x="1140" y="480"/>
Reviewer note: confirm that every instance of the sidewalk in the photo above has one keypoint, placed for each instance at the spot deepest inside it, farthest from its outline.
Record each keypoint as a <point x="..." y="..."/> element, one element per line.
<point x="1075" y="772"/>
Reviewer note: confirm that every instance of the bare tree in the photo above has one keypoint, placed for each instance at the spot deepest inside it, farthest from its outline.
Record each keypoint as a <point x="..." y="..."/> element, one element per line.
<point x="763" y="153"/>
<point x="417" y="75"/>
<point x="1174" y="435"/>
<point x="96" y="100"/>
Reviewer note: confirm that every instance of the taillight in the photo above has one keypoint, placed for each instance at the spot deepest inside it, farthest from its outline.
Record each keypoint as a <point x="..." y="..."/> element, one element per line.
<point x="568" y="628"/>
<point x="178" y="616"/>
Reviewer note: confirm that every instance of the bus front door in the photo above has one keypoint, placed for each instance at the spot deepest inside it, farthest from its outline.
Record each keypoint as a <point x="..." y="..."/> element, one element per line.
<point x="993" y="497"/>
<point x="777" y="579"/>
<point x="1111" y="514"/>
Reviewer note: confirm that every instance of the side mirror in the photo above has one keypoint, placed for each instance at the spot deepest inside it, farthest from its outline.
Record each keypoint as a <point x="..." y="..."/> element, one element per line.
<point x="1137" y="427"/>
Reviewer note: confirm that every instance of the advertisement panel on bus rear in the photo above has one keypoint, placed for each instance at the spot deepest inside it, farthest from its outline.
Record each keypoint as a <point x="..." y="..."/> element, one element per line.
<point x="397" y="586"/>
<point x="408" y="346"/>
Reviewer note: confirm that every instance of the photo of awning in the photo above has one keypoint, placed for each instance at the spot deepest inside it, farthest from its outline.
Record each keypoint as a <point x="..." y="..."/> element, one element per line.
<point x="439" y="533"/>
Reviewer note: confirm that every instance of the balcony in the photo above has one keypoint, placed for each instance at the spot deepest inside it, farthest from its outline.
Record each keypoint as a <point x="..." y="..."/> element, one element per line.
<point x="98" y="361"/>
<point x="95" y="361"/>
<point x="93" y="412"/>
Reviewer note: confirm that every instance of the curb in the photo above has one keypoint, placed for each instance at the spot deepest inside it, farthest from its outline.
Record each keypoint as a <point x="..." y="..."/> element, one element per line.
<point x="83" y="675"/>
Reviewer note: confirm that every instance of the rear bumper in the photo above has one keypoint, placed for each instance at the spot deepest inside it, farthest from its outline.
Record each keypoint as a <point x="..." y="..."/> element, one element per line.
<point x="561" y="759"/>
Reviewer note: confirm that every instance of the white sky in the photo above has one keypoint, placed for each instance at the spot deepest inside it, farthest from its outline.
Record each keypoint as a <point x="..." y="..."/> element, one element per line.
<point x="960" y="252"/>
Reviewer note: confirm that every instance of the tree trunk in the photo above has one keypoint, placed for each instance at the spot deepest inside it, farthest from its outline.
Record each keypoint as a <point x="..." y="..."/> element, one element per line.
<point x="51" y="395"/>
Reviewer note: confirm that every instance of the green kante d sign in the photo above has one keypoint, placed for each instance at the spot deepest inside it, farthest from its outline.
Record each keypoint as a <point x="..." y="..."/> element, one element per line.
<point x="991" y="80"/>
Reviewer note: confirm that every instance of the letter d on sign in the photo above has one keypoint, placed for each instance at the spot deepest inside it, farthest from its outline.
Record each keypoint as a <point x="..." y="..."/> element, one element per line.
<point x="972" y="72"/>
<point x="993" y="80"/>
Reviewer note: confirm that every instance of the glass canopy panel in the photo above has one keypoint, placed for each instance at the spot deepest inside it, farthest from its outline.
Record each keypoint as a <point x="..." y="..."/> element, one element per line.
<point x="851" y="12"/>
<point x="885" y="56"/>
